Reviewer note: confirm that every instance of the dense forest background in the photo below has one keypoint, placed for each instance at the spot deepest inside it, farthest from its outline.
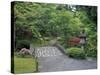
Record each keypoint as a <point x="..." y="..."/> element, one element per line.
<point x="38" y="22"/>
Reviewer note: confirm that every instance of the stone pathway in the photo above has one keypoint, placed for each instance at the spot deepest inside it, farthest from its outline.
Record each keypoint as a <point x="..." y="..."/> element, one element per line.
<point x="50" y="59"/>
<point x="47" y="51"/>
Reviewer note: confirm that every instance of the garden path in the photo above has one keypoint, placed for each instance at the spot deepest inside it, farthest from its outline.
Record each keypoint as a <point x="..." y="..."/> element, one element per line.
<point x="51" y="59"/>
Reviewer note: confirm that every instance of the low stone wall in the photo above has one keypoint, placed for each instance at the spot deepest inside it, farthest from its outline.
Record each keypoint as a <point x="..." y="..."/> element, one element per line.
<point x="60" y="48"/>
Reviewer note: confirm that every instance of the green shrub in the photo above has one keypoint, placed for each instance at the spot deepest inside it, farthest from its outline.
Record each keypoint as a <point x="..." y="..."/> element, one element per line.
<point x="76" y="53"/>
<point x="22" y="44"/>
<point x="91" y="52"/>
<point x="91" y="49"/>
<point x="21" y="55"/>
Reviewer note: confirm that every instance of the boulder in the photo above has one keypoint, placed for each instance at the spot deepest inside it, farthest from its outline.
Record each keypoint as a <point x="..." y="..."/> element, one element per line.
<point x="25" y="51"/>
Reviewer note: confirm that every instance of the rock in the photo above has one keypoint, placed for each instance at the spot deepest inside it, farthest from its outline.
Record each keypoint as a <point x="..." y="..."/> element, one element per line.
<point x="89" y="58"/>
<point x="25" y="51"/>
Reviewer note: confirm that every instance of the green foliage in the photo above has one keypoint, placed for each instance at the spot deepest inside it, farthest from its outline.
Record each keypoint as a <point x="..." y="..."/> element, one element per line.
<point x="22" y="55"/>
<point x="22" y="44"/>
<point x="35" y="21"/>
<point x="75" y="52"/>
<point x="91" y="50"/>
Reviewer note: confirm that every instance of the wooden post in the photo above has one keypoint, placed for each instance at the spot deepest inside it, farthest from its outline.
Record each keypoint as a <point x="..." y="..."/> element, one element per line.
<point x="36" y="64"/>
<point x="36" y="61"/>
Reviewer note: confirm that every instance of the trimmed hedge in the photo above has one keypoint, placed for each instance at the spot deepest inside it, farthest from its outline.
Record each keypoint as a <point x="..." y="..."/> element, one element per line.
<point x="75" y="53"/>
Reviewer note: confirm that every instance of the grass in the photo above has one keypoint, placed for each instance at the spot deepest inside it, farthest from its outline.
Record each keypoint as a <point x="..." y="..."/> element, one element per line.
<point x="24" y="65"/>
